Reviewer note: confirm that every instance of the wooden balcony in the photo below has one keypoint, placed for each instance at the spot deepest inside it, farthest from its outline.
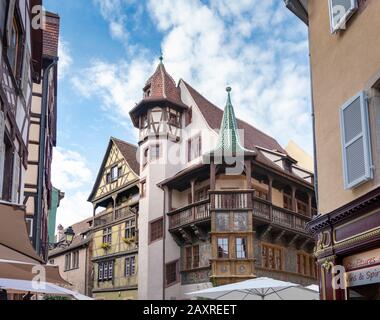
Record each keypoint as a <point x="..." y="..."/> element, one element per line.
<point x="277" y="216"/>
<point x="107" y="218"/>
<point x="231" y="199"/>
<point x="263" y="210"/>
<point x="195" y="212"/>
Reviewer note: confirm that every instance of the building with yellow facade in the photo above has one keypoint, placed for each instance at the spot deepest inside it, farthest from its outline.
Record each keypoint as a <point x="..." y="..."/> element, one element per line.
<point x="114" y="232"/>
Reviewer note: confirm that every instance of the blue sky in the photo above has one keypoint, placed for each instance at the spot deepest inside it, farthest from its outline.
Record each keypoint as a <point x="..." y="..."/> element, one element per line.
<point x="108" y="48"/>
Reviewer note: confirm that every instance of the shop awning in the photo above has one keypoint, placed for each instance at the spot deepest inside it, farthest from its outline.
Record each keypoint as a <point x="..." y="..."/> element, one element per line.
<point x="30" y="271"/>
<point x="13" y="233"/>
<point x="18" y="259"/>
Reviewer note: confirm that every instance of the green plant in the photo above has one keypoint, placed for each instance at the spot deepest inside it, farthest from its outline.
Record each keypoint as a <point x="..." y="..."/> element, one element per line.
<point x="105" y="246"/>
<point x="129" y="240"/>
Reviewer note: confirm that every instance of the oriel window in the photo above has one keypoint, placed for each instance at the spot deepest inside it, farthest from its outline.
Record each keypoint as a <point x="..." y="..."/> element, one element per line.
<point x="223" y="251"/>
<point x="241" y="248"/>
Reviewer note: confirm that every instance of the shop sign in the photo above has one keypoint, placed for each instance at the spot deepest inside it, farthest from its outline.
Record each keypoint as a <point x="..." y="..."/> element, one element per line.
<point x="362" y="260"/>
<point x="363" y="277"/>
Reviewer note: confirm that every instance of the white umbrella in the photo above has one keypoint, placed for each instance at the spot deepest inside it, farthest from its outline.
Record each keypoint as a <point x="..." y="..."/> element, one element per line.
<point x="41" y="287"/>
<point x="258" y="289"/>
<point x="313" y="287"/>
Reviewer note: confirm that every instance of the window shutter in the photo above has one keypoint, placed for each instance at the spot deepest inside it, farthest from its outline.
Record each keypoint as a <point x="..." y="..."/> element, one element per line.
<point x="340" y="13"/>
<point x="11" y="10"/>
<point x="356" y="142"/>
<point x="2" y="151"/>
<point x="16" y="178"/>
<point x="25" y="71"/>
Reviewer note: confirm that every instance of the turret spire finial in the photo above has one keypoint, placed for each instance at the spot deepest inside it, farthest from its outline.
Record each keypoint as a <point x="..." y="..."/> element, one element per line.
<point x="161" y="57"/>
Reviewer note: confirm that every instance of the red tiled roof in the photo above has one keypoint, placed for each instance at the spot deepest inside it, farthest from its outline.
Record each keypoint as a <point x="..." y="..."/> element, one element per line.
<point x="162" y="85"/>
<point x="213" y="115"/>
<point x="51" y="35"/>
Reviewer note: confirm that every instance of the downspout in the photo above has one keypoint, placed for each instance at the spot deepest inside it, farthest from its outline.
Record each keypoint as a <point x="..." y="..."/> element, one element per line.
<point x="314" y="133"/>
<point x="41" y="164"/>
<point x="163" y="246"/>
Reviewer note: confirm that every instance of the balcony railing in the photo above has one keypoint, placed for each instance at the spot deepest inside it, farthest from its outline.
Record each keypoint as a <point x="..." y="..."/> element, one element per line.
<point x="231" y="199"/>
<point x="238" y="200"/>
<point x="192" y="213"/>
<point x="279" y="216"/>
<point x="111" y="217"/>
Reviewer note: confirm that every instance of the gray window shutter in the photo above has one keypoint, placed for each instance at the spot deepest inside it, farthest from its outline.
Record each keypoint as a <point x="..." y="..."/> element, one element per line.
<point x="11" y="10"/>
<point x="2" y="151"/>
<point x="340" y="12"/>
<point x="25" y="70"/>
<point x="356" y="142"/>
<point x="16" y="178"/>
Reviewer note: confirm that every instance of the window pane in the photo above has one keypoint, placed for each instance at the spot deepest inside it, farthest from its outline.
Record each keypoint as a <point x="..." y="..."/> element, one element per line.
<point x="241" y="248"/>
<point x="196" y="257"/>
<point x="154" y="152"/>
<point x="188" y="258"/>
<point x="171" y="273"/>
<point x="223" y="251"/>
<point x="156" y="230"/>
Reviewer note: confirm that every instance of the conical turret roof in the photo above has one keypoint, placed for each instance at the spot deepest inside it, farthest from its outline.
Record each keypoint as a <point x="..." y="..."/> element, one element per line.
<point x="161" y="85"/>
<point x="229" y="140"/>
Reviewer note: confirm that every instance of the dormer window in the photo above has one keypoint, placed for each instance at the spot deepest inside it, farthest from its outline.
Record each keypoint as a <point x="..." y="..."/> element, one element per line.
<point x="147" y="91"/>
<point x="287" y="165"/>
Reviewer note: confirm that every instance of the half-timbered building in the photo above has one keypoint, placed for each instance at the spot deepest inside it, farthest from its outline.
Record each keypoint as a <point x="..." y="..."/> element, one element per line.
<point x="220" y="201"/>
<point x="42" y="138"/>
<point x="115" y="197"/>
<point x="19" y="47"/>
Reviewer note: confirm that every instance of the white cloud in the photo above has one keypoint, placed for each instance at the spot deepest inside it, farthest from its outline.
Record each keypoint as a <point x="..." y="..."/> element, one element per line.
<point x="255" y="46"/>
<point x="72" y="176"/>
<point x="65" y="58"/>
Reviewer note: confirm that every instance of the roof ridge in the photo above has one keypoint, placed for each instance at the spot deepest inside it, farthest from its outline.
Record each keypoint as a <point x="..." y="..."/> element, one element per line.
<point x="125" y="142"/>
<point x="238" y="119"/>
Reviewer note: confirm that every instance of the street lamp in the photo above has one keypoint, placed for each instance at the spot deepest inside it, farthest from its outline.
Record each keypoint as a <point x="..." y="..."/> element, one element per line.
<point x="69" y="233"/>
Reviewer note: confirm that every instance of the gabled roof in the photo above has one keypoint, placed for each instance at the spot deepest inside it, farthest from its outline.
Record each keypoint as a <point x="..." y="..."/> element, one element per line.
<point x="128" y="151"/>
<point x="214" y="115"/>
